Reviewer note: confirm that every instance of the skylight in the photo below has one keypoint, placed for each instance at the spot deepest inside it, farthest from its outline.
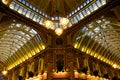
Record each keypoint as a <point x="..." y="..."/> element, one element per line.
<point x="33" y="13"/>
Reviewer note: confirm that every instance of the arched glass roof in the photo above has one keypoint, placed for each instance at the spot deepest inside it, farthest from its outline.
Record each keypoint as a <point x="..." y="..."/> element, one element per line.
<point x="82" y="11"/>
<point x="18" y="42"/>
<point x="101" y="39"/>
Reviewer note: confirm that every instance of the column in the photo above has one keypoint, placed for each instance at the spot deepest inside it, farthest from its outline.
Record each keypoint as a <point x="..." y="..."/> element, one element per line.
<point x="71" y="71"/>
<point x="49" y="71"/>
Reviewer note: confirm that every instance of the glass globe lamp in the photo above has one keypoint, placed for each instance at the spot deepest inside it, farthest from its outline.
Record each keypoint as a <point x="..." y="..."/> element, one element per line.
<point x="48" y="24"/>
<point x="58" y="31"/>
<point x="64" y="21"/>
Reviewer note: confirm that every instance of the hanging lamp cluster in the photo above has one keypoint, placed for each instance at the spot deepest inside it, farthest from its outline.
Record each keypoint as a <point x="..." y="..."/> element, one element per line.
<point x="62" y="24"/>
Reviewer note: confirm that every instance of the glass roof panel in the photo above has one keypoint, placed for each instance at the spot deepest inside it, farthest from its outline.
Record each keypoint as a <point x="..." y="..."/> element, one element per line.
<point x="35" y="14"/>
<point x="103" y="33"/>
<point x="15" y="37"/>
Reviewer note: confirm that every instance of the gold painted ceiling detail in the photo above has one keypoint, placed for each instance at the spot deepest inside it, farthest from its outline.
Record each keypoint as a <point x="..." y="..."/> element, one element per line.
<point x="97" y="38"/>
<point x="101" y="39"/>
<point x="18" y="42"/>
<point x="81" y="11"/>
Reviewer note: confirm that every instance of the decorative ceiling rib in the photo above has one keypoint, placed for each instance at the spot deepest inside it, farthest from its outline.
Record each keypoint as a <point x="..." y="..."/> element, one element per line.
<point x="18" y="42"/>
<point x="49" y="7"/>
<point x="100" y="38"/>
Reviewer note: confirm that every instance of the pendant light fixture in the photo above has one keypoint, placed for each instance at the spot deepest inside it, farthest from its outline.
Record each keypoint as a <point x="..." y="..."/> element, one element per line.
<point x="62" y="23"/>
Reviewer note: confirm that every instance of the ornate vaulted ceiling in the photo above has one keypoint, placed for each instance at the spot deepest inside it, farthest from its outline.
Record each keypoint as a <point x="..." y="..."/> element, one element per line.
<point x="98" y="37"/>
<point x="64" y="7"/>
<point x="18" y="42"/>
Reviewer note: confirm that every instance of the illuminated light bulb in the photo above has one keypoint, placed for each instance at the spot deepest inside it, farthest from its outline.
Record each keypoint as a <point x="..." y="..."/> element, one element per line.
<point x="58" y="31"/>
<point x="5" y="1"/>
<point x="43" y="46"/>
<point x="64" y="21"/>
<point x="87" y="51"/>
<point x="4" y="72"/>
<point x="83" y="49"/>
<point x="48" y="24"/>
<point x="114" y="65"/>
<point x="75" y="46"/>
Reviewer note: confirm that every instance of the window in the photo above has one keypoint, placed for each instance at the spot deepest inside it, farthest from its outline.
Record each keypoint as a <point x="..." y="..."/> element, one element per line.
<point x="78" y="17"/>
<point x="91" y="9"/>
<point x="23" y="2"/>
<point x="24" y="11"/>
<point x="16" y="7"/>
<point x="38" y="19"/>
<point x="28" y="14"/>
<point x="31" y="6"/>
<point x="98" y="3"/>
<point x="20" y="10"/>
<point x="31" y="16"/>
<point x="94" y="6"/>
<point x="12" y="5"/>
<point x="81" y="16"/>
<point x="27" y="4"/>
<point x="35" y="18"/>
<point x="84" y="14"/>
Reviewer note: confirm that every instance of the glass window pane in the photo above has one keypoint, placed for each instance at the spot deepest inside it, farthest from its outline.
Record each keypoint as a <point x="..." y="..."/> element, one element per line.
<point x="43" y="13"/>
<point x="84" y="13"/>
<point x="91" y="9"/>
<point x="46" y="16"/>
<point x="69" y="14"/>
<point x="41" y="21"/>
<point x="75" y="20"/>
<point x="103" y="2"/>
<point x="24" y="11"/>
<point x="90" y="33"/>
<point x="53" y="18"/>
<point x="78" y="17"/>
<point x="95" y="6"/>
<point x="31" y="16"/>
<point x="81" y="6"/>
<point x="81" y="16"/>
<point x="20" y="10"/>
<point x="34" y="8"/>
<point x="28" y="14"/>
<point x="78" y="8"/>
<point x="87" y="1"/>
<point x="40" y="12"/>
<point x="84" y="4"/>
<point x="37" y="10"/>
<point x="33" y="31"/>
<point x="73" y="12"/>
<point x="97" y="29"/>
<point x="16" y="7"/>
<point x="87" y="11"/>
<point x="20" y="0"/>
<point x="12" y="5"/>
<point x="98" y="3"/>
<point x="38" y="19"/>
<point x="31" y="6"/>
<point x="27" y="4"/>
<point x="72" y="21"/>
<point x="23" y="2"/>
<point x="35" y="18"/>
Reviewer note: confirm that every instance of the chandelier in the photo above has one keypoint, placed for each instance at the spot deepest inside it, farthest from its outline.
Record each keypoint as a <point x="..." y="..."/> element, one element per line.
<point x="62" y="24"/>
